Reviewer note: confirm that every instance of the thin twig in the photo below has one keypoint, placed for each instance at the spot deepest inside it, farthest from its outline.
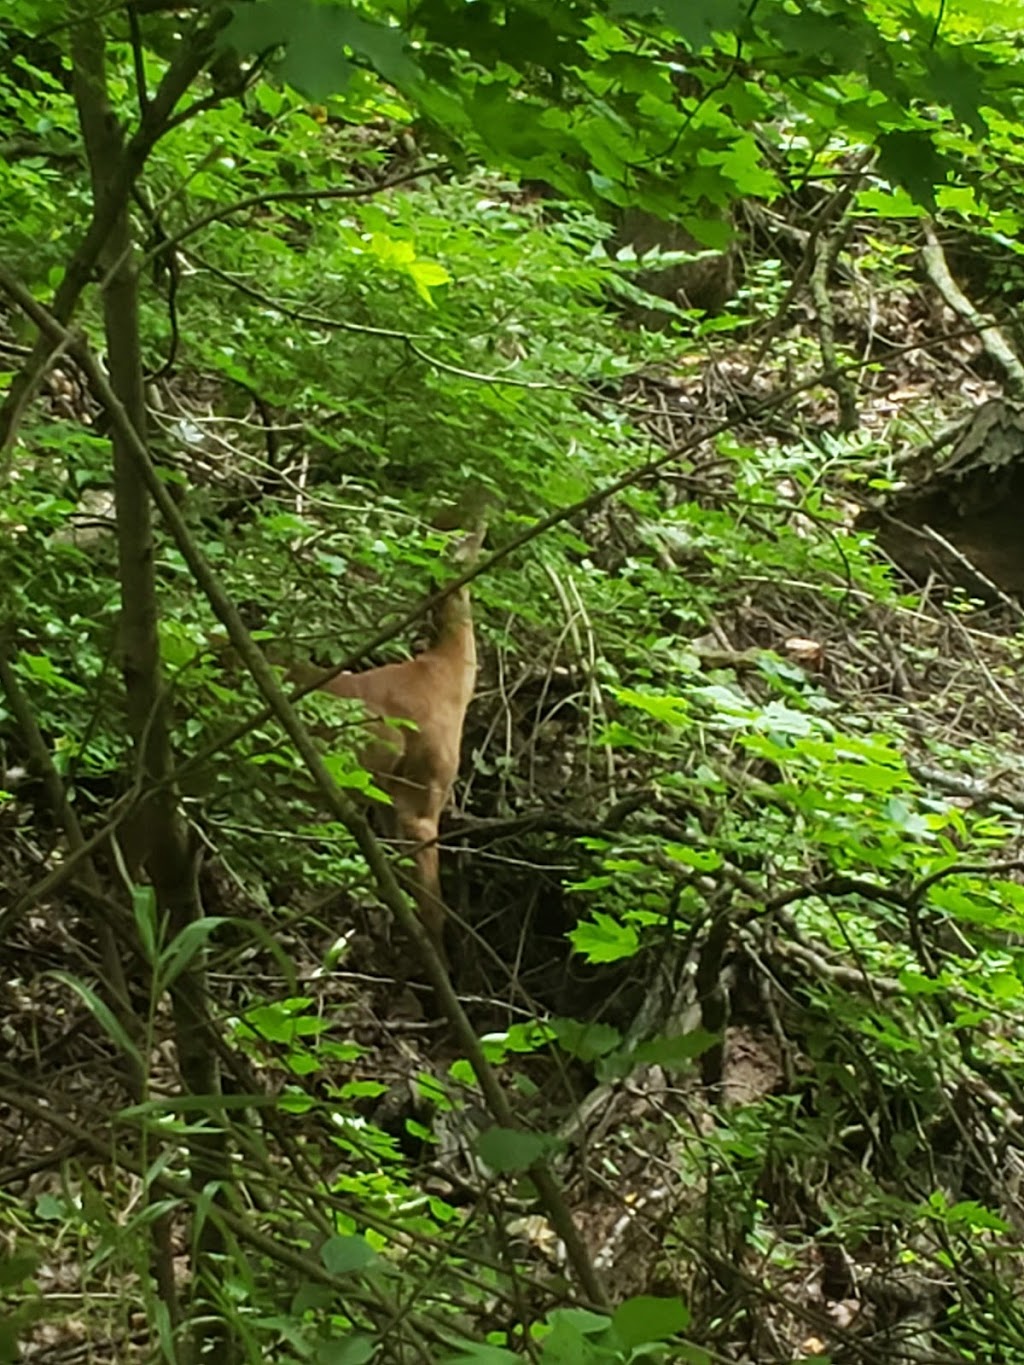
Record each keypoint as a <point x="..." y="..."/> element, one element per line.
<point x="253" y="201"/>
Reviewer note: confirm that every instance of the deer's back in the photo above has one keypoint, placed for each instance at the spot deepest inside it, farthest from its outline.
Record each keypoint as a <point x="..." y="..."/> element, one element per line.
<point x="430" y="690"/>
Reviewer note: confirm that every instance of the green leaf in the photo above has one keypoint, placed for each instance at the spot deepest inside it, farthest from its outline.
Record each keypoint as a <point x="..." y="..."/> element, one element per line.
<point x="915" y="982"/>
<point x="42" y="668"/>
<point x="51" y="1209"/>
<point x="353" y="778"/>
<point x="511" y="1150"/>
<point x="399" y="254"/>
<point x="481" y="1353"/>
<point x="586" y="1041"/>
<point x="910" y="159"/>
<point x="674" y="711"/>
<point x="302" y="1063"/>
<point x="696" y="21"/>
<point x="462" y="1072"/>
<point x="897" y="812"/>
<point x="351" y="1350"/>
<point x="363" y="1089"/>
<point x="646" y="1318"/>
<point x="604" y="939"/>
<point x="894" y="203"/>
<point x="435" y="1093"/>
<point x="583" y="1322"/>
<point x="342" y="1255"/>
<point x="312" y="1296"/>
<point x="428" y="275"/>
<point x="528" y="1037"/>
<point x="699" y="859"/>
<point x="14" y="1270"/>
<point x="315" y="38"/>
<point x="144" y="911"/>
<point x="287" y="525"/>
<point x="677" y="1050"/>
<point x="180" y="952"/>
<point x="956" y="82"/>
<point x="383" y="46"/>
<point x="283" y="1021"/>
<point x="578" y="1337"/>
<point x="103" y="1015"/>
<point x="741" y="165"/>
<point x="974" y="1215"/>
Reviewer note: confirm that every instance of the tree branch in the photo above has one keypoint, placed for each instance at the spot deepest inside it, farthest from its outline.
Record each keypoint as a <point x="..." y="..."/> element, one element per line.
<point x="990" y="336"/>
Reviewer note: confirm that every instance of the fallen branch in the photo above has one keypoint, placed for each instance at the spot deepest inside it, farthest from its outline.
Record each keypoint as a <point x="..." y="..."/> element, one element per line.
<point x="990" y="336"/>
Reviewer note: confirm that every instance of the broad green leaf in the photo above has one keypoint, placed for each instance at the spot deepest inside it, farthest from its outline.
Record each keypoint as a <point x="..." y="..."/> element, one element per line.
<point x="342" y="1255"/>
<point x="51" y="1208"/>
<point x="585" y="1041"/>
<point x="363" y="1089"/>
<point x="677" y="1050"/>
<point x="573" y="1336"/>
<point x="647" y="1318"/>
<point x="348" y="775"/>
<point x="428" y="275"/>
<point x="351" y="1350"/>
<point x="700" y="859"/>
<point x="462" y="1072"/>
<point x="910" y="159"/>
<point x="43" y="669"/>
<point x="957" y="82"/>
<point x="530" y="1037"/>
<point x="1003" y="985"/>
<point x="284" y="1021"/>
<point x="974" y="1215"/>
<point x="481" y="1353"/>
<point x="916" y="983"/>
<point x="508" y="1150"/>
<point x="669" y="710"/>
<point x="696" y="21"/>
<point x="316" y="40"/>
<point x="960" y="199"/>
<point x="895" y="203"/>
<point x="582" y="1321"/>
<point x="604" y="939"/>
<point x="14" y="1270"/>
<point x="741" y="164"/>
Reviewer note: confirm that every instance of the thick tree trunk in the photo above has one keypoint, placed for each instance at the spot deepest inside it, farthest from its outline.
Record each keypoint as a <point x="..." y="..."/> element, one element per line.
<point x="157" y="840"/>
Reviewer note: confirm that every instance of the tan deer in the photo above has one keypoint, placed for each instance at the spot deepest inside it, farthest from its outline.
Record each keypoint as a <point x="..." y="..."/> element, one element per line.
<point x="416" y="765"/>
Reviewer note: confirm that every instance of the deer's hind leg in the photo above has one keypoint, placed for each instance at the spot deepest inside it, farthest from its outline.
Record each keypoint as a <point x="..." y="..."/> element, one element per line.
<point x="417" y="820"/>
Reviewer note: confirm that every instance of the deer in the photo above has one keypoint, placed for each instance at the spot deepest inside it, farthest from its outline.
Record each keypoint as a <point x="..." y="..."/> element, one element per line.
<point x="416" y="761"/>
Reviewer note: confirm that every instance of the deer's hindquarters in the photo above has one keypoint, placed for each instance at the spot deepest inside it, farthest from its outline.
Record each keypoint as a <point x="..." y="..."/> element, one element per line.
<point x="416" y="768"/>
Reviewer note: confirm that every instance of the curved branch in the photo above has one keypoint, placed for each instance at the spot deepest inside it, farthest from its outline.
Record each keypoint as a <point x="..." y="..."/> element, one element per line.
<point x="991" y="337"/>
<point x="253" y="201"/>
